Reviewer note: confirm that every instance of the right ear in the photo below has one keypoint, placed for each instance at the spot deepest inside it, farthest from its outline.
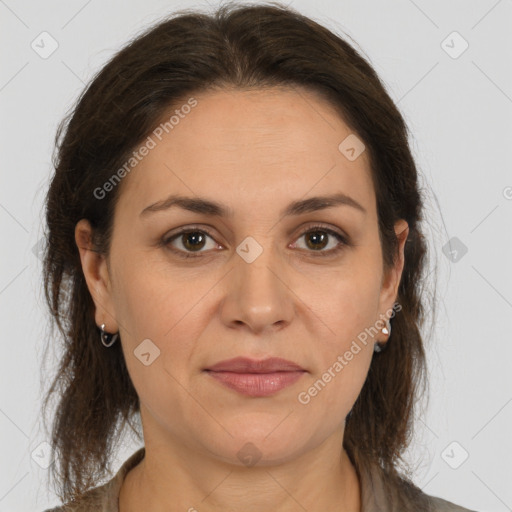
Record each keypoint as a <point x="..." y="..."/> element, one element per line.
<point x="94" y="267"/>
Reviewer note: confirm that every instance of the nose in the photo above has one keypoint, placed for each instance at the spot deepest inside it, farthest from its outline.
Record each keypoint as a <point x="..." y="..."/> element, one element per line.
<point x="258" y="296"/>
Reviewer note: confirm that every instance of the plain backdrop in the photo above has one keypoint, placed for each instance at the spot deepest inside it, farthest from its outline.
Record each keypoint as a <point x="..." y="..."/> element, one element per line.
<point x="448" y="67"/>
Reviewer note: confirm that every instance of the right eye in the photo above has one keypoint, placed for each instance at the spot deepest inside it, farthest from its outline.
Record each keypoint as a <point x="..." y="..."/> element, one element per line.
<point x="192" y="241"/>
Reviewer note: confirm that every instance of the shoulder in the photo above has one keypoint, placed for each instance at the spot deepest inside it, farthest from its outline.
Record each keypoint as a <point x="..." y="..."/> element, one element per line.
<point x="390" y="492"/>
<point x="96" y="499"/>
<point x="440" y="505"/>
<point x="414" y="495"/>
<point x="104" y="498"/>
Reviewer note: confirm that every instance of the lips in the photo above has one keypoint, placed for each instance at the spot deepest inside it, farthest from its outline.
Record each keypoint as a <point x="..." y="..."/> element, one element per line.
<point x="256" y="378"/>
<point x="246" y="365"/>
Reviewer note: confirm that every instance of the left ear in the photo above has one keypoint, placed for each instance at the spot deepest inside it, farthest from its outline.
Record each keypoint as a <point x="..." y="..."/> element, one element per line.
<point x="391" y="278"/>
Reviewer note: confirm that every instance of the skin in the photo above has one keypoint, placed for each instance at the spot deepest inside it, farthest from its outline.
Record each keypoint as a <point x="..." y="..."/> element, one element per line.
<point x="255" y="152"/>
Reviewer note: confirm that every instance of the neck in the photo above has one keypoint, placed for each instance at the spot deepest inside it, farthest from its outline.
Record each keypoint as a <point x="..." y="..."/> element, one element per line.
<point x="174" y="478"/>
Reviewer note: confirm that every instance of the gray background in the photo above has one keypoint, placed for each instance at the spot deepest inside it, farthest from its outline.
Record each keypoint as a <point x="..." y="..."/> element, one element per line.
<point x="458" y="108"/>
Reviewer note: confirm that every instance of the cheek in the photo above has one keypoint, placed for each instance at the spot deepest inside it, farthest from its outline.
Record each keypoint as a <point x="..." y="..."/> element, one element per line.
<point x="342" y="356"/>
<point x="151" y="301"/>
<point x="345" y="313"/>
<point x="150" y="307"/>
<point x="346" y="305"/>
<point x="166" y="309"/>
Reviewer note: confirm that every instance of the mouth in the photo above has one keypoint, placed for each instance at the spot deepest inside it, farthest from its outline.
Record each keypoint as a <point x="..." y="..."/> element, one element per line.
<point x="256" y="378"/>
<point x="247" y="365"/>
<point x="256" y="384"/>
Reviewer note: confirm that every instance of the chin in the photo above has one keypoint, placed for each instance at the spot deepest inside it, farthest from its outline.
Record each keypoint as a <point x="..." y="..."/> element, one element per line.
<point x="260" y="446"/>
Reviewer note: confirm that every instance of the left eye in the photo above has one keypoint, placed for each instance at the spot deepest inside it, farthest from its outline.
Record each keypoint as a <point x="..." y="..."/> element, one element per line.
<point x="317" y="239"/>
<point x="193" y="240"/>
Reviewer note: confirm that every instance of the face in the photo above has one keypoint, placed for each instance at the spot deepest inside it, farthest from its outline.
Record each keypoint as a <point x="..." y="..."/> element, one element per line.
<point x="258" y="283"/>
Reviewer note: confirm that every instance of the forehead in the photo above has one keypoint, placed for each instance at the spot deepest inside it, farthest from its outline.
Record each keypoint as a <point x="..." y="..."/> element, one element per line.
<point x="248" y="149"/>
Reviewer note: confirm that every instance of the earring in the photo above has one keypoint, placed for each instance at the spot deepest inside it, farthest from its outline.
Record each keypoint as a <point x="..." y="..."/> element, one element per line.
<point x="379" y="347"/>
<point x="106" y="338"/>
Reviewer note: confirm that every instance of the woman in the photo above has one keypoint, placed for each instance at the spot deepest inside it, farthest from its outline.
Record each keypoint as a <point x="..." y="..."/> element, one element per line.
<point x="234" y="253"/>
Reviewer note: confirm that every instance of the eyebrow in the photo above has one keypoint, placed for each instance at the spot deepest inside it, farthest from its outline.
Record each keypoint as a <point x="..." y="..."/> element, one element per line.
<point x="207" y="207"/>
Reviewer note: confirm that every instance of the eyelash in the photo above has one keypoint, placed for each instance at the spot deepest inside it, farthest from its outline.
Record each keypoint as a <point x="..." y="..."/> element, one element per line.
<point x="192" y="229"/>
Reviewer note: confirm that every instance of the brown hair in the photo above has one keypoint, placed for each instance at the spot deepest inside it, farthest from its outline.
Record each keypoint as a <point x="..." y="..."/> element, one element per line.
<point x="241" y="46"/>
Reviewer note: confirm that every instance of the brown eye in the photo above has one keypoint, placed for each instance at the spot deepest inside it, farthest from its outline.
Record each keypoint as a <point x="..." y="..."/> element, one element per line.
<point x="191" y="241"/>
<point x="318" y="238"/>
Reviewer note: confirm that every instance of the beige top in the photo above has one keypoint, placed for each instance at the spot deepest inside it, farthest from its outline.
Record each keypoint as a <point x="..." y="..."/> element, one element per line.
<point x="105" y="498"/>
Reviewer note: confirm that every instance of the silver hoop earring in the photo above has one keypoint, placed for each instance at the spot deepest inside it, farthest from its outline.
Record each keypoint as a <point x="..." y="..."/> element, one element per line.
<point x="106" y="338"/>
